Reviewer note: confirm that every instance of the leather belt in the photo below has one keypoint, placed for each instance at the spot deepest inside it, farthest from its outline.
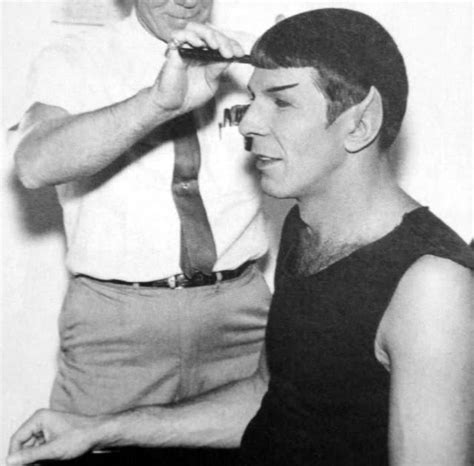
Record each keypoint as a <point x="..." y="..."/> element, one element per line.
<point x="181" y="281"/>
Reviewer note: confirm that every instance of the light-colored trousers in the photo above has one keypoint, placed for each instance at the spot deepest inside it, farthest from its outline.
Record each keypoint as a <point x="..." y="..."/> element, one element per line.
<point x="123" y="347"/>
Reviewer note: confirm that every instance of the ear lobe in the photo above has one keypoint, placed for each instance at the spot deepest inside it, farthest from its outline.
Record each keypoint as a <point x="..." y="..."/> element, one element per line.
<point x="367" y="121"/>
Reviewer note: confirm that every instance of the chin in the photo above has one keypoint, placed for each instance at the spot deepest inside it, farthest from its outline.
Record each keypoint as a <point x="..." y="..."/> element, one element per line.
<point x="274" y="190"/>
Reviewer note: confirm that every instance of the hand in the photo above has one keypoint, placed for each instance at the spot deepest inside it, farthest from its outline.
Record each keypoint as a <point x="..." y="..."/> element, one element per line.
<point x="51" y="435"/>
<point x="184" y="85"/>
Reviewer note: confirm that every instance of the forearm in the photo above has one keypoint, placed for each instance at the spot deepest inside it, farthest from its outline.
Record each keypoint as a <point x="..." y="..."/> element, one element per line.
<point x="217" y="419"/>
<point x="58" y="150"/>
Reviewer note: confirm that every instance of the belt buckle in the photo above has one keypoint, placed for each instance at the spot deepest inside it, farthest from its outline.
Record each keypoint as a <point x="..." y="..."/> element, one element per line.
<point x="198" y="279"/>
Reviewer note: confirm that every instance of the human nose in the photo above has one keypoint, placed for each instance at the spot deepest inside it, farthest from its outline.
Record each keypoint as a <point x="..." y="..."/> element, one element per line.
<point x="187" y="3"/>
<point x="251" y="123"/>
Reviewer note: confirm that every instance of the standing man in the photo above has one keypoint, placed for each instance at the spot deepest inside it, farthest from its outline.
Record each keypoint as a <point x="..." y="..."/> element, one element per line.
<point x="163" y="228"/>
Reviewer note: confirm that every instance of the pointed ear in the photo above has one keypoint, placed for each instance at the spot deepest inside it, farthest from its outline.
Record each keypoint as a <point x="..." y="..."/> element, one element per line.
<point x="367" y="118"/>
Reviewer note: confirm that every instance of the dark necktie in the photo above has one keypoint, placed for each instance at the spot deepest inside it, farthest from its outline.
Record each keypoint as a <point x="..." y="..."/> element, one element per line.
<point x="198" y="250"/>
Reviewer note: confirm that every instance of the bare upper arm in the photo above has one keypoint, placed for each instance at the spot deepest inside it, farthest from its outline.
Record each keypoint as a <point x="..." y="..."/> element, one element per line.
<point x="427" y="334"/>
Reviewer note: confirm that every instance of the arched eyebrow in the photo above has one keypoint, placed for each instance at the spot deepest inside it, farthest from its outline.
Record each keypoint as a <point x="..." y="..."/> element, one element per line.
<point x="276" y="88"/>
<point x="281" y="88"/>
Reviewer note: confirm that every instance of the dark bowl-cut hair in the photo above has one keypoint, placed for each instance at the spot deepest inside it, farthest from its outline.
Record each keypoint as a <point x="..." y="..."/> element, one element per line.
<point x="350" y="52"/>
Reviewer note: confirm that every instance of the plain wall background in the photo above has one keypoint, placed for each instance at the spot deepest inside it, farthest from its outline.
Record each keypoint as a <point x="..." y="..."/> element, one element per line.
<point x="434" y="152"/>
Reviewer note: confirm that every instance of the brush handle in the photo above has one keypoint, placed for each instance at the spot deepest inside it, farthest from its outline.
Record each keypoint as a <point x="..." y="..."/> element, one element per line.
<point x="208" y="55"/>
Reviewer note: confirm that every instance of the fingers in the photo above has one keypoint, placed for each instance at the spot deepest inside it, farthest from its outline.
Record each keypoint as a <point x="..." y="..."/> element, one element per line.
<point x="28" y="432"/>
<point x="215" y="40"/>
<point x="171" y="85"/>
<point x="49" y="435"/>
<point x="214" y="71"/>
<point x="47" y="451"/>
<point x="174" y="60"/>
<point x="203" y="35"/>
<point x="183" y="85"/>
<point x="34" y="441"/>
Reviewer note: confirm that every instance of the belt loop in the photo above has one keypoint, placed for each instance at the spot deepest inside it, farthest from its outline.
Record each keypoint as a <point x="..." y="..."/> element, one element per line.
<point x="136" y="285"/>
<point x="218" y="277"/>
<point x="172" y="282"/>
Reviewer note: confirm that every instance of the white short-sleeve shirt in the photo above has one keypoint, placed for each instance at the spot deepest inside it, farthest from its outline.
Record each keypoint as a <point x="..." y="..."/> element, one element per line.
<point x="122" y="222"/>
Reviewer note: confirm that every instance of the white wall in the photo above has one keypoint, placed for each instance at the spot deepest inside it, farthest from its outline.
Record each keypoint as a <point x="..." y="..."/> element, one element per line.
<point x="435" y="150"/>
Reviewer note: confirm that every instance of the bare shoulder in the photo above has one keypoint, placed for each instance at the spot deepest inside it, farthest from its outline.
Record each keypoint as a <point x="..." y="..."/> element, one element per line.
<point x="437" y="283"/>
<point x="431" y="309"/>
<point x="434" y="279"/>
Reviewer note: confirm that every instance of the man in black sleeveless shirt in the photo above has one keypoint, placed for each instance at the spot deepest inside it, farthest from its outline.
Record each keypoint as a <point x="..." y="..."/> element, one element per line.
<point x="369" y="340"/>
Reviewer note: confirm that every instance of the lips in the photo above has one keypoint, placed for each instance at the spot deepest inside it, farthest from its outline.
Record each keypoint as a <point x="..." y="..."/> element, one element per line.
<point x="184" y="16"/>
<point x="264" y="161"/>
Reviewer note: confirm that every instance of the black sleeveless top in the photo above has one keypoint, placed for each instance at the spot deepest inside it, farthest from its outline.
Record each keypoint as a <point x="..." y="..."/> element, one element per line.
<point x="327" y="402"/>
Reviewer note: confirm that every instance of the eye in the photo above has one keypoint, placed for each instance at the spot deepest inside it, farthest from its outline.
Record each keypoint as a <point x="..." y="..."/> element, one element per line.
<point x="282" y="103"/>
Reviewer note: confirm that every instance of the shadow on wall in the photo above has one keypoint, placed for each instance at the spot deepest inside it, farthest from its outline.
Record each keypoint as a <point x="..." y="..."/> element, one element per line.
<point x="398" y="154"/>
<point x="40" y="212"/>
<point x="124" y="5"/>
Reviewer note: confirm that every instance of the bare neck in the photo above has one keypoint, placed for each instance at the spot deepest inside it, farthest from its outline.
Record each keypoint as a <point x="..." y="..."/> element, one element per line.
<point x="357" y="204"/>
